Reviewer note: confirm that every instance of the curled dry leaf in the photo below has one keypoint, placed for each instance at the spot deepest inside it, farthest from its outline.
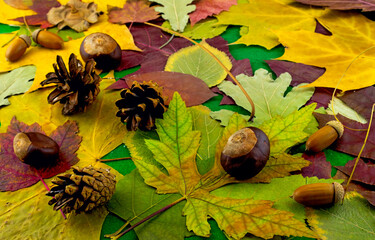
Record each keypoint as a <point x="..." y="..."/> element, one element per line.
<point x="15" y="175"/>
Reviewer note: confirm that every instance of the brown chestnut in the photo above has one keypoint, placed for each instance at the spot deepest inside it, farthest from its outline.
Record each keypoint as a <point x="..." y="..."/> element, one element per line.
<point x="103" y="49"/>
<point x="36" y="149"/>
<point x="48" y="39"/>
<point x="246" y="153"/>
<point x="17" y="48"/>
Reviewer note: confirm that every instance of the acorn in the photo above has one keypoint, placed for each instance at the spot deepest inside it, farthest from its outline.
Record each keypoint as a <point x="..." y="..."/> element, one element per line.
<point x="319" y="194"/>
<point x="246" y="153"/>
<point x="17" y="48"/>
<point x="36" y="149"/>
<point x="103" y="49"/>
<point x="48" y="39"/>
<point x="325" y="136"/>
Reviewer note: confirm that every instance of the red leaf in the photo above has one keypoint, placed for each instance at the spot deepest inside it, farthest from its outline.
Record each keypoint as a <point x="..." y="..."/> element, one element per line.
<point x="351" y="141"/>
<point x="319" y="166"/>
<point x="15" y="175"/>
<point x="192" y="89"/>
<point x="361" y="100"/>
<point x="133" y="11"/>
<point x="41" y="7"/>
<point x="206" y="8"/>
<point x="364" y="5"/>
<point x="364" y="173"/>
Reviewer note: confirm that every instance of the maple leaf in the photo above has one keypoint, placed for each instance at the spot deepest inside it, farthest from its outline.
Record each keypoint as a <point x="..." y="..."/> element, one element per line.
<point x="176" y="152"/>
<point x="192" y="89"/>
<point x="176" y="12"/>
<point x="354" y="219"/>
<point x="350" y="37"/>
<point x="15" y="174"/>
<point x="264" y="17"/>
<point x="267" y="94"/>
<point x="320" y="167"/>
<point x="197" y="62"/>
<point x="133" y="11"/>
<point x="206" y="8"/>
<point x="22" y="209"/>
<point x="351" y="142"/>
<point x="41" y="7"/>
<point x="15" y="82"/>
<point x="8" y="12"/>
<point x="42" y="57"/>
<point x="364" y="5"/>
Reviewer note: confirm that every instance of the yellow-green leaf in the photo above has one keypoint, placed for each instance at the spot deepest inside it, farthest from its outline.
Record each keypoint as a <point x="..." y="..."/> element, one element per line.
<point x="195" y="61"/>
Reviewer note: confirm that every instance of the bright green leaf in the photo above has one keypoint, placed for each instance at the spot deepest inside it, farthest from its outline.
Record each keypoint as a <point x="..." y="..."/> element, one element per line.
<point x="15" y="82"/>
<point x="176" y="12"/>
<point x="195" y="61"/>
<point x="267" y="95"/>
<point x="67" y="34"/>
<point x="224" y="116"/>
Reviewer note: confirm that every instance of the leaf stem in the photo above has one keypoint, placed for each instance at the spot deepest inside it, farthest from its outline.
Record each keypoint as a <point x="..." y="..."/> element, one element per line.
<point x="151" y="216"/>
<point x="113" y="159"/>
<point x="217" y="60"/>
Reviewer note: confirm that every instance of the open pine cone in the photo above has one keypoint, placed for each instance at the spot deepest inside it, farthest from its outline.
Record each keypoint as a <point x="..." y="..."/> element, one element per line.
<point x="140" y="105"/>
<point x="75" y="89"/>
<point x="83" y="190"/>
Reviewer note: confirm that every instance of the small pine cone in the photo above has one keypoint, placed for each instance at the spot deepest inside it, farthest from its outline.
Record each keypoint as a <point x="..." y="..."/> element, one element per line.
<point x="82" y="190"/>
<point x="140" y="105"/>
<point x="75" y="89"/>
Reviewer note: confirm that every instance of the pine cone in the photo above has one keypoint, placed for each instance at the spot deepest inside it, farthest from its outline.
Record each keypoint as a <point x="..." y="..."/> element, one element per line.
<point x="75" y="89"/>
<point x="140" y="105"/>
<point x="83" y="190"/>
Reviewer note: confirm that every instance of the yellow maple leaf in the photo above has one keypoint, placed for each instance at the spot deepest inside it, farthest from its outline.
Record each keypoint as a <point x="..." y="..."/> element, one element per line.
<point x="352" y="35"/>
<point x="43" y="58"/>
<point x="99" y="127"/>
<point x="263" y="17"/>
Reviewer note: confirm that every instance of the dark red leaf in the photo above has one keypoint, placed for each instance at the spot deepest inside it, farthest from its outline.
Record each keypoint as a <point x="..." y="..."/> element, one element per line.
<point x="322" y="96"/>
<point x="352" y="141"/>
<point x="206" y="8"/>
<point x="364" y="173"/>
<point x="15" y="175"/>
<point x="319" y="166"/>
<point x="192" y="89"/>
<point x="361" y="100"/>
<point x="130" y="59"/>
<point x="319" y="28"/>
<point x="41" y="7"/>
<point x="364" y="5"/>
<point x="133" y="11"/>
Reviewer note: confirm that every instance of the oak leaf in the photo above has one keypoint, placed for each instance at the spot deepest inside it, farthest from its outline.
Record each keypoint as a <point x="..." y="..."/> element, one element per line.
<point x="15" y="174"/>
<point x="350" y="37"/>
<point x="133" y="11"/>
<point x="364" y="5"/>
<point x="176" y="12"/>
<point x="206" y="8"/>
<point x="176" y="153"/>
<point x="264" y="17"/>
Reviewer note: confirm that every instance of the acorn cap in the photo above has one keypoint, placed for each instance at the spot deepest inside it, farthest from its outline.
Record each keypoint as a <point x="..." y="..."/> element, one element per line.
<point x="35" y="35"/>
<point x="339" y="192"/>
<point x="26" y="39"/>
<point x="337" y="126"/>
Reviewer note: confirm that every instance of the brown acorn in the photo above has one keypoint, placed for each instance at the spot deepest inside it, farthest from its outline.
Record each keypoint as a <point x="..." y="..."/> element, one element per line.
<point x="48" y="39"/>
<point x="36" y="149"/>
<point x="17" y="48"/>
<point x="246" y="153"/>
<point x="103" y="49"/>
<point x="319" y="194"/>
<point x="325" y="136"/>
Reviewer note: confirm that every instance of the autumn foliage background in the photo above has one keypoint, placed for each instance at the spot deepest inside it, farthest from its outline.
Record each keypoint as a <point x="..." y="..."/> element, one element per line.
<point x="288" y="55"/>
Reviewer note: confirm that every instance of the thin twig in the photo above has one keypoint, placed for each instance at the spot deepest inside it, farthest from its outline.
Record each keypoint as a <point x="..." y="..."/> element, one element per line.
<point x="113" y="159"/>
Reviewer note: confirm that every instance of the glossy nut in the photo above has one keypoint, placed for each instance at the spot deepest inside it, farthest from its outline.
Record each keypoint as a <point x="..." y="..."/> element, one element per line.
<point x="319" y="194"/>
<point x="246" y="153"/>
<point x="17" y="48"/>
<point x="103" y="49"/>
<point x="36" y="149"/>
<point x="48" y="39"/>
<point x="325" y="136"/>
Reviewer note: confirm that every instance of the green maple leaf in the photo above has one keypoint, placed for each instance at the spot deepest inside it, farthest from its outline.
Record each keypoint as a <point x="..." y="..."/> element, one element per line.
<point x="176" y="12"/>
<point x="267" y="95"/>
<point x="354" y="219"/>
<point x="176" y="151"/>
<point x="15" y="82"/>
